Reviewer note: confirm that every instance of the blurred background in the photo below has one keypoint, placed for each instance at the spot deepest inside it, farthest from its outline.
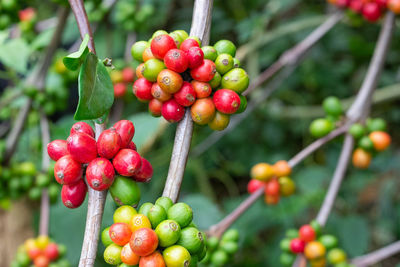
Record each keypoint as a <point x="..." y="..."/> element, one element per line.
<point x="366" y="212"/>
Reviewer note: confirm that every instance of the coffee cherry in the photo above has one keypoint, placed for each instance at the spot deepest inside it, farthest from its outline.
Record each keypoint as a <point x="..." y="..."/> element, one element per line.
<point x="152" y="68"/>
<point x="128" y="257"/>
<point x="153" y="260"/>
<point x="139" y="71"/>
<point x="155" y="107"/>
<point x="137" y="50"/>
<point x="195" y="57"/>
<point x="51" y="251"/>
<point x="145" y="172"/>
<point x="119" y="90"/>
<point x="169" y="81"/>
<point x="177" y="39"/>
<point x="124" y="214"/>
<point x="394" y="6"/>
<point x="226" y="101"/>
<point x="144" y="241"/>
<point x="361" y="158"/>
<point x="307" y="233"/>
<point x="41" y="261"/>
<point x="357" y="130"/>
<point x="191" y="239"/>
<point x="112" y="254"/>
<point x="116" y="76"/>
<point x="161" y="44"/>
<point x="371" y="11"/>
<point x="219" y="258"/>
<point x="286" y="186"/>
<point x="272" y="187"/>
<point x="381" y="140"/>
<point x="287" y="259"/>
<point x="82" y="147"/>
<point x="73" y="195"/>
<point x="126" y="131"/>
<point x="183" y="34"/>
<point x="186" y="95"/>
<point x="332" y="106"/>
<point x="172" y="111"/>
<point x="176" y="60"/>
<point x="181" y="213"/>
<point x="366" y="143"/>
<point x="236" y="63"/>
<point x="202" y="111"/>
<point x="82" y="127"/>
<point x="125" y="191"/>
<point x="164" y="202"/>
<point x="297" y="245"/>
<point x="282" y="168"/>
<point x="176" y="255"/>
<point x="377" y="124"/>
<point x="356" y="6"/>
<point x="100" y="174"/>
<point x="224" y="63"/>
<point x="57" y="149"/>
<point x="128" y="75"/>
<point x="189" y="43"/>
<point x="205" y="72"/>
<point x="321" y="127"/>
<point x="156" y="215"/>
<point x="336" y="256"/>
<point x="67" y="170"/>
<point x="236" y="79"/>
<point x="261" y="171"/>
<point x="209" y="52"/>
<point x="215" y="81"/>
<point x="147" y="54"/>
<point x="202" y="89"/>
<point x="314" y="250"/>
<point x="120" y="233"/>
<point x="254" y="185"/>
<point x="127" y="162"/>
<point x="132" y="146"/>
<point x="108" y="143"/>
<point x="328" y="241"/>
<point x="225" y="46"/>
<point x="168" y="232"/>
<point x="139" y="221"/>
<point x="219" y="122"/>
<point x="159" y="93"/>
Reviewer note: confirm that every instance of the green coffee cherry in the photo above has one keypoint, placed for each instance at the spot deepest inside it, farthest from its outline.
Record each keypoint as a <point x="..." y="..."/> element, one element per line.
<point x="321" y="127"/>
<point x="357" y="130"/>
<point x="366" y="143"/>
<point x="377" y="124"/>
<point x="332" y="106"/>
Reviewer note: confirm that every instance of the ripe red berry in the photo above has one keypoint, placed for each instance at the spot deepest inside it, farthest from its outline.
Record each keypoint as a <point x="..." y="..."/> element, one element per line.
<point x="144" y="241"/>
<point x="371" y="11"/>
<point x="155" y="107"/>
<point x="161" y="44"/>
<point x="188" y="43"/>
<point x="126" y="130"/>
<point x="34" y="252"/>
<point x="254" y="185"/>
<point x="119" y="90"/>
<point x="82" y="127"/>
<point x="159" y="93"/>
<point x="108" y="143"/>
<point x="205" y="72"/>
<point x="73" y="195"/>
<point x="307" y="233"/>
<point x="176" y="60"/>
<point x="195" y="56"/>
<point x="145" y="173"/>
<point x="82" y="147"/>
<point x="132" y="146"/>
<point x="27" y="14"/>
<point x="297" y="245"/>
<point x="120" y="233"/>
<point x="202" y="89"/>
<point x="342" y="3"/>
<point x="51" y="251"/>
<point x="100" y="174"/>
<point x="57" y="149"/>
<point x="356" y="5"/>
<point x="172" y="111"/>
<point x="382" y="4"/>
<point x="272" y="187"/>
<point x="128" y="75"/>
<point x="127" y="162"/>
<point x="142" y="89"/>
<point x="186" y="95"/>
<point x="226" y="101"/>
<point x="67" y="170"/>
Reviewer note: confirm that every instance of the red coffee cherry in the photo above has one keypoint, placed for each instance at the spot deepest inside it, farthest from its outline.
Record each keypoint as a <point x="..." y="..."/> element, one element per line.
<point x="195" y="57"/>
<point x="82" y="147"/>
<point x="142" y="89"/>
<point x="67" y="170"/>
<point x="188" y="43"/>
<point x="126" y="130"/>
<point x="272" y="187"/>
<point x="297" y="245"/>
<point x="159" y="93"/>
<point x="202" y="111"/>
<point x="51" y="251"/>
<point x="127" y="162"/>
<point x="100" y="174"/>
<point x="132" y="146"/>
<point x="226" y="101"/>
<point x="144" y="241"/>
<point x="254" y="185"/>
<point x="108" y="143"/>
<point x="176" y="60"/>
<point x="271" y="199"/>
<point x="120" y="233"/>
<point x="161" y="44"/>
<point x="82" y="127"/>
<point x="119" y="90"/>
<point x="202" y="89"/>
<point x="186" y="95"/>
<point x="155" y="107"/>
<point x="307" y="233"/>
<point x="128" y="75"/>
<point x="41" y="261"/>
<point x="371" y="11"/>
<point x="356" y="6"/>
<point x="73" y="195"/>
<point x="145" y="173"/>
<point x="57" y="149"/>
<point x="172" y="111"/>
<point x="205" y="72"/>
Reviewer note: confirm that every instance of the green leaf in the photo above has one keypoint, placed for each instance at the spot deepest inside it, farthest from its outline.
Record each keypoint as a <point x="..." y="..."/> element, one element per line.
<point x="42" y="40"/>
<point x="74" y="60"/>
<point x="96" y="92"/>
<point x="14" y="54"/>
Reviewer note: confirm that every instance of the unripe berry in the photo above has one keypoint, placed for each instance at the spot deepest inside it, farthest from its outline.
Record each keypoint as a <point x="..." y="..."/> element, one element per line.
<point x="73" y="195"/>
<point x="57" y="149"/>
<point x="82" y="147"/>
<point x="82" y="127"/>
<point x="108" y="143"/>
<point x="100" y="174"/>
<point x="126" y="130"/>
<point x="127" y="162"/>
<point x="67" y="170"/>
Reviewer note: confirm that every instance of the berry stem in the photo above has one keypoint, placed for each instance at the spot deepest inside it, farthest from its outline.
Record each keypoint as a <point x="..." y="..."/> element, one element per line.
<point x="201" y="23"/>
<point x="36" y="79"/>
<point x="288" y="61"/>
<point x="377" y="255"/>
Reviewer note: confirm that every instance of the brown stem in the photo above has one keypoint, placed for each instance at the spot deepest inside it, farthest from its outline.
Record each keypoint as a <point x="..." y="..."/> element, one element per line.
<point x="201" y="23"/>
<point x="377" y="256"/>
<point x="81" y="18"/>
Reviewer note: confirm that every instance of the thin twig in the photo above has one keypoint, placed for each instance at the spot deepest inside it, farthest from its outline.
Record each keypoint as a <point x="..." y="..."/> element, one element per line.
<point x="6" y="101"/>
<point x="377" y="255"/>
<point x="201" y="23"/>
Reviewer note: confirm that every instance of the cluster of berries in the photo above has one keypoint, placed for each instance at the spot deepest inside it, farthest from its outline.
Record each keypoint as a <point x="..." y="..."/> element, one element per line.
<point x="221" y="251"/>
<point x="334" y="112"/>
<point x="177" y="72"/>
<point x="114" y="152"/>
<point x="158" y="235"/>
<point x="40" y="252"/>
<point x="371" y="10"/>
<point x="318" y="249"/>
<point x="371" y="138"/>
<point x="275" y="180"/>
<point x="121" y="79"/>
